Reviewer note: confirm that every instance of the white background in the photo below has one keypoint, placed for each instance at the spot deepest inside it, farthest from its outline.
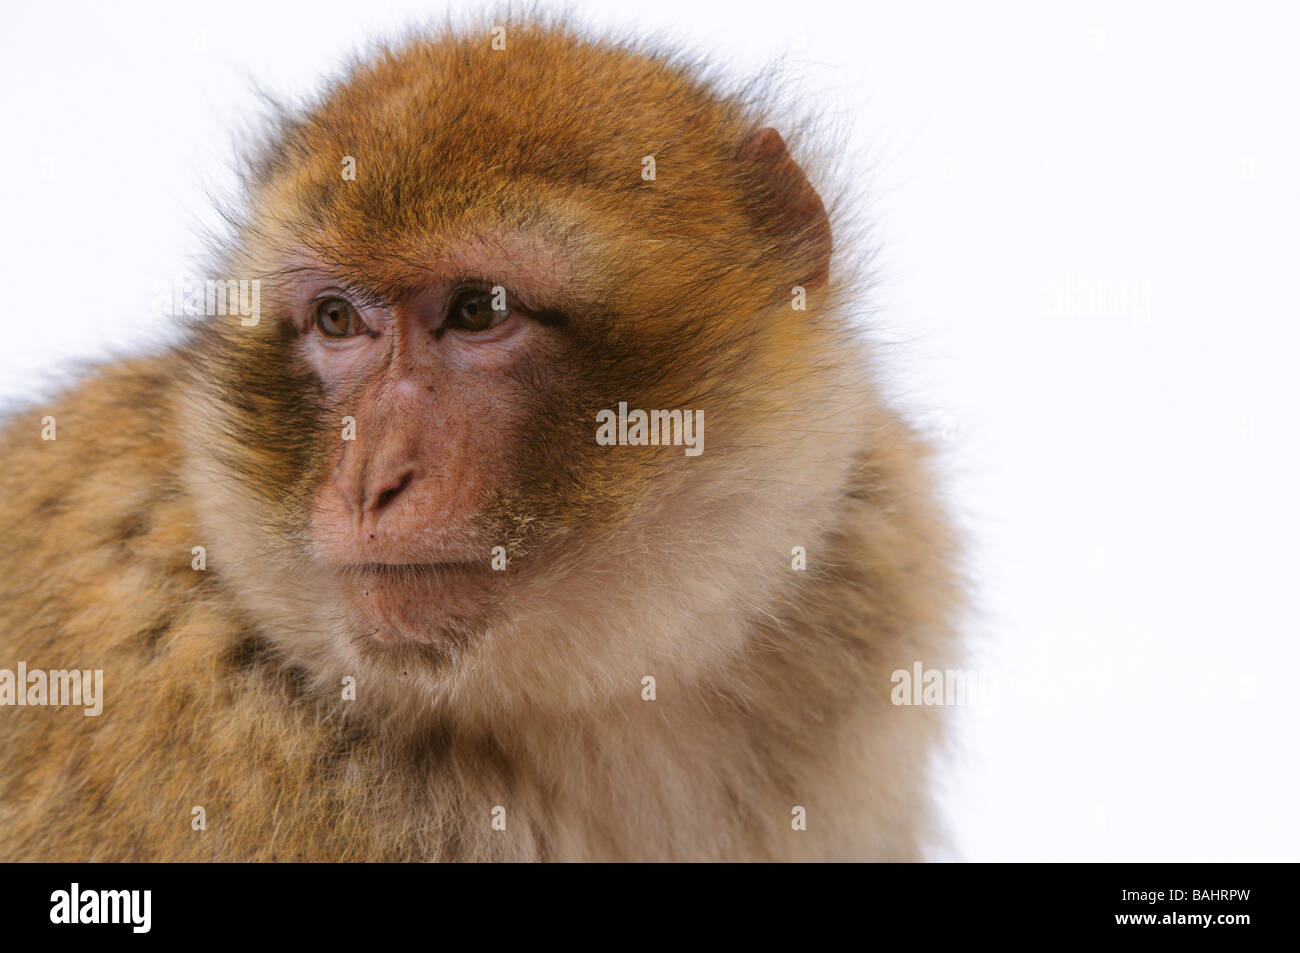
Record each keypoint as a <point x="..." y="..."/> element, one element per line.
<point x="1128" y="480"/>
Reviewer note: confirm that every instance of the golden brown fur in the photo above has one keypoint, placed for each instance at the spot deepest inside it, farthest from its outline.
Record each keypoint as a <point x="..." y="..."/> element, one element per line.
<point x="223" y="686"/>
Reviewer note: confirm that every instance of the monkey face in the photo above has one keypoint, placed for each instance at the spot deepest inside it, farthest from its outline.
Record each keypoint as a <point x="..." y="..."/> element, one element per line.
<point x="410" y="437"/>
<point x="425" y="500"/>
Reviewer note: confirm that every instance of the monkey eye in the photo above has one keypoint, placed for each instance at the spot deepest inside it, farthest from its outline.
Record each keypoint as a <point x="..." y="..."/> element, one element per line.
<point x="337" y="318"/>
<point x="472" y="309"/>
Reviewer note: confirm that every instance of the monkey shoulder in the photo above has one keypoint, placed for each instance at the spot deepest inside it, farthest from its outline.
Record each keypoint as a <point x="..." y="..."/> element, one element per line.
<point x="96" y="579"/>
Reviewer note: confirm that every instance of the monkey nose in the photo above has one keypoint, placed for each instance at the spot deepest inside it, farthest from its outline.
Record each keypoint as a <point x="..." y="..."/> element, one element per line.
<point x="369" y="496"/>
<point x="385" y="491"/>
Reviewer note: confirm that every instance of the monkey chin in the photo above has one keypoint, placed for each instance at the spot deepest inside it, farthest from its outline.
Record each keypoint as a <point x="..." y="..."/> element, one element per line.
<point x="426" y="610"/>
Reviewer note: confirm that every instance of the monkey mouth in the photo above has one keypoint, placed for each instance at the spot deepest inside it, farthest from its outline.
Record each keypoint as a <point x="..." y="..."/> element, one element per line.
<point x="412" y="571"/>
<point x="428" y="603"/>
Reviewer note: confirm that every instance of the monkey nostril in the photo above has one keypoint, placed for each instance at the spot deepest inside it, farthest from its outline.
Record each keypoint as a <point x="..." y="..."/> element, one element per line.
<point x="387" y="496"/>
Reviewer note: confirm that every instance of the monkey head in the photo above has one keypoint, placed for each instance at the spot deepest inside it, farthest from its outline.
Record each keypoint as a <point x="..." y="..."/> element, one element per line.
<point x="465" y="254"/>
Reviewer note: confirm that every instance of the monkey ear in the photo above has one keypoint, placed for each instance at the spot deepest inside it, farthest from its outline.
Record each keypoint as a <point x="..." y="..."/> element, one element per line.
<point x="788" y="206"/>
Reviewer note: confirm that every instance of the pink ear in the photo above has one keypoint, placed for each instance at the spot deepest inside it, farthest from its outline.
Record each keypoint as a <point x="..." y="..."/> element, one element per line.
<point x="789" y="206"/>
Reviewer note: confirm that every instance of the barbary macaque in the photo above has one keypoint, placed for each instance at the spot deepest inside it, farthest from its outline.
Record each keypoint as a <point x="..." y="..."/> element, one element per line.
<point x="544" y="508"/>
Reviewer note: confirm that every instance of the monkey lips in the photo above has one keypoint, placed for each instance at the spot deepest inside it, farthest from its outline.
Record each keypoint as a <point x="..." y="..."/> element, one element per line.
<point x="435" y="604"/>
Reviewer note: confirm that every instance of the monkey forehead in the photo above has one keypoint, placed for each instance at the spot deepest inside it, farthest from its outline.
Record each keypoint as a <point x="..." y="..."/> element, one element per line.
<point x="441" y="126"/>
<point x="567" y="251"/>
<point x="539" y="271"/>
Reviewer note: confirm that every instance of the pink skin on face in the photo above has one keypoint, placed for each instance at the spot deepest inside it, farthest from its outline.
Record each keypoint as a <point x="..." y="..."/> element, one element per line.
<point x="435" y="413"/>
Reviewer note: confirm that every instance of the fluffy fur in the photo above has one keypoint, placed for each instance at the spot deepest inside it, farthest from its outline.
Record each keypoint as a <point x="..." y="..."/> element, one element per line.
<point x="223" y="687"/>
